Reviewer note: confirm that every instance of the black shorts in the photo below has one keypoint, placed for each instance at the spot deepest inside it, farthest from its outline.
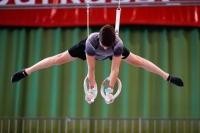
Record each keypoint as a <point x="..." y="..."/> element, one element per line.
<point x="78" y="51"/>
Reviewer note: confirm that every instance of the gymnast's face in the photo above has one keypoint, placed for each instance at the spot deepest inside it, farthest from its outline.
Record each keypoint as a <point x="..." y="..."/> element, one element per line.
<point x="104" y="47"/>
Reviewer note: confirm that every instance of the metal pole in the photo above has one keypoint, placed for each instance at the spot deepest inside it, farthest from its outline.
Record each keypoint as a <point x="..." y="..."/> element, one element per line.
<point x="191" y="126"/>
<point x="125" y="126"/>
<point x="9" y="126"/>
<point x="23" y="126"/>
<point x="1" y="126"/>
<point x="88" y="126"/>
<point x="37" y="126"/>
<point x="81" y="127"/>
<point x="169" y="126"/>
<point x="102" y="126"/>
<point x="147" y="126"/>
<point x="52" y="123"/>
<point x="15" y="125"/>
<point x="162" y="123"/>
<point x="74" y="126"/>
<point x="59" y="122"/>
<point x="140" y="125"/>
<point x="117" y="126"/>
<point x="199" y="126"/>
<point x="132" y="126"/>
<point x="66" y="126"/>
<point x="95" y="126"/>
<point x="154" y="126"/>
<point x="30" y="126"/>
<point x="110" y="126"/>
<point x="184" y="126"/>
<point x="44" y="126"/>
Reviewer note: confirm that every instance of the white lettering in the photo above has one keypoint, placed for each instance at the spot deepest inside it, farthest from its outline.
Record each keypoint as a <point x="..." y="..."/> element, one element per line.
<point x="30" y="2"/>
<point x="63" y="2"/>
<point x="144" y="0"/>
<point x="44" y="1"/>
<point x="121" y="1"/>
<point x="3" y="2"/>
<point x="151" y="0"/>
<point x="97" y="1"/>
<point x="76" y="1"/>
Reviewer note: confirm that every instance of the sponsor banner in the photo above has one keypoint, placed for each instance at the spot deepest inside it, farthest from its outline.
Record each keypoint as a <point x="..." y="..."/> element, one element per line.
<point x="160" y="15"/>
<point x="44" y="2"/>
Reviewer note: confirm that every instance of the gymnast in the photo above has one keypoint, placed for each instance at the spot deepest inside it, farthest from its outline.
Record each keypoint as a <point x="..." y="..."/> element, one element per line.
<point x="99" y="46"/>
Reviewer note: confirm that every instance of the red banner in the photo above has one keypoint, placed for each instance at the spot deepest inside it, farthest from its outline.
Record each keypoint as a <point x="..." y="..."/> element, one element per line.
<point x="159" y="15"/>
<point x="44" y="2"/>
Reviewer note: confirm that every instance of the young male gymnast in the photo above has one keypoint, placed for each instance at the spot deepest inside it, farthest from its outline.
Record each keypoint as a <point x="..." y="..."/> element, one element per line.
<point x="99" y="46"/>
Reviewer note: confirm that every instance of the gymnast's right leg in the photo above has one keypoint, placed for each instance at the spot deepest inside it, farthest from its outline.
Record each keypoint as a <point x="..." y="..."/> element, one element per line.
<point x="45" y="63"/>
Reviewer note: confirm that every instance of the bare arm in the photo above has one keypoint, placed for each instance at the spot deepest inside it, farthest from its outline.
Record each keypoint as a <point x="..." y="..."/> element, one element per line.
<point x="91" y="69"/>
<point x="115" y="69"/>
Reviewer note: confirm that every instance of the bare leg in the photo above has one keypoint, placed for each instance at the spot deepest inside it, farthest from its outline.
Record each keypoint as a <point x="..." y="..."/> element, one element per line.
<point x="50" y="61"/>
<point x="47" y="62"/>
<point x="149" y="66"/>
<point x="141" y="62"/>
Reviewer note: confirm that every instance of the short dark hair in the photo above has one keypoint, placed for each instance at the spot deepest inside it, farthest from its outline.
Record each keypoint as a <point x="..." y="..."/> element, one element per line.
<point x="107" y="35"/>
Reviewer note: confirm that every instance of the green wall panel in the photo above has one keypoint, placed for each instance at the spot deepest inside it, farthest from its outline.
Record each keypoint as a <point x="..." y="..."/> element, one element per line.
<point x="58" y="90"/>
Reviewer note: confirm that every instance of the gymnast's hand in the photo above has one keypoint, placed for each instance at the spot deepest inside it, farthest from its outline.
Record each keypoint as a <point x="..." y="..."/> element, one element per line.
<point x="92" y="90"/>
<point x="109" y="95"/>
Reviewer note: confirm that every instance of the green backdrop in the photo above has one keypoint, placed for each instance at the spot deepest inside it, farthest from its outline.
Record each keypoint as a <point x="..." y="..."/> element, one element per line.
<point x="58" y="90"/>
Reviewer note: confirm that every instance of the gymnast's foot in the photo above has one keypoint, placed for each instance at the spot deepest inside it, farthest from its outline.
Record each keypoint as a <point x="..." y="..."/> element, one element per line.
<point x="175" y="80"/>
<point x="18" y="76"/>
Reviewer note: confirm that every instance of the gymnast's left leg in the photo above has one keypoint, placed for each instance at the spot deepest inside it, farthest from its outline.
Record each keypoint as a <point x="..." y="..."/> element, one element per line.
<point x="138" y="61"/>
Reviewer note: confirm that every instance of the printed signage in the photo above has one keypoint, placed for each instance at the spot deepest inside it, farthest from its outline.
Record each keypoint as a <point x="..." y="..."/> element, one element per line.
<point x="44" y="2"/>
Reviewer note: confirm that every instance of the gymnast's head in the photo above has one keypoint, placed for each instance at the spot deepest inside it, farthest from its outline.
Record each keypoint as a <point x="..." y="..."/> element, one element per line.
<point x="107" y="36"/>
